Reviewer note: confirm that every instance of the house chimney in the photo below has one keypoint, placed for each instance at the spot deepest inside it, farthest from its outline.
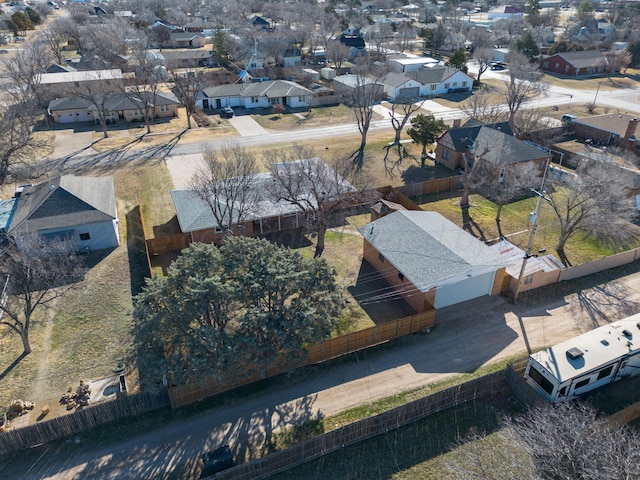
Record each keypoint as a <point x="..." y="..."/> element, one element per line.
<point x="631" y="130"/>
<point x="456" y="123"/>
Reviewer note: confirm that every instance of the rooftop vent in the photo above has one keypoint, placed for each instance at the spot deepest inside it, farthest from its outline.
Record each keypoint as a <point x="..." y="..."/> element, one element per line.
<point x="574" y="353"/>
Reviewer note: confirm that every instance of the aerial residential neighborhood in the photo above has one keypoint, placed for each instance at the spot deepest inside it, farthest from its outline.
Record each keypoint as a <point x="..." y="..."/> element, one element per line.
<point x="319" y="239"/>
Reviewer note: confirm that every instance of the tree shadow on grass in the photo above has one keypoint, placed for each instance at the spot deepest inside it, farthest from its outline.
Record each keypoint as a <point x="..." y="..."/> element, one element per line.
<point x="470" y="225"/>
<point x="12" y="365"/>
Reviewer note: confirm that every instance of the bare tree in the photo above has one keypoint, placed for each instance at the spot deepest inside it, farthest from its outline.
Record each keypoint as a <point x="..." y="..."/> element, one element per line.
<point x="319" y="190"/>
<point x="38" y="272"/>
<point x="337" y="53"/>
<point x="23" y="70"/>
<point x="570" y="441"/>
<point x="401" y="111"/>
<point x="96" y="92"/>
<point x="160" y="35"/>
<point x="616" y="61"/>
<point x="55" y="37"/>
<point x="225" y="185"/>
<point x="523" y="82"/>
<point x="186" y="86"/>
<point x="483" y="107"/>
<point x="483" y="57"/>
<point x="594" y="201"/>
<point x="366" y="91"/>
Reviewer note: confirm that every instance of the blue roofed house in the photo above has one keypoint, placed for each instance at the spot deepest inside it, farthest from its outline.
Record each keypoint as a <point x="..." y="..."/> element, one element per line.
<point x="430" y="261"/>
<point x="82" y="209"/>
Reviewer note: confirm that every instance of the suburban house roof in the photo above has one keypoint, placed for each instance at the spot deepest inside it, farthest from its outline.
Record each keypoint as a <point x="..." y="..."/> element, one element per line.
<point x="499" y="148"/>
<point x="83" y="76"/>
<point x="270" y="89"/>
<point x="613" y="123"/>
<point x="414" y="60"/>
<point x="510" y="9"/>
<point x="7" y="208"/>
<point x="427" y="248"/>
<point x="395" y="80"/>
<point x="291" y="52"/>
<point x="194" y="214"/>
<point x="433" y="75"/>
<point x="188" y="54"/>
<point x="514" y="257"/>
<point x="185" y="36"/>
<point x="463" y="137"/>
<point x="354" y="80"/>
<point x="114" y="101"/>
<point x="64" y="201"/>
<point x="582" y="59"/>
<point x="353" y="41"/>
<point x="57" y="68"/>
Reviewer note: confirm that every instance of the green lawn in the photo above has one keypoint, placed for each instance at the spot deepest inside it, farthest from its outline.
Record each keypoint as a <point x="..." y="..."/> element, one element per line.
<point x="515" y="225"/>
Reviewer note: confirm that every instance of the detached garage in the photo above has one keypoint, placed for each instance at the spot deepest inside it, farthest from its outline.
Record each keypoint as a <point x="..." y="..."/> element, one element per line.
<point x="430" y="261"/>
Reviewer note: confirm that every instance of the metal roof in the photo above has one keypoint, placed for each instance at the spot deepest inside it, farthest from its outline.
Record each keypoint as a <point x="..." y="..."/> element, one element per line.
<point x="427" y="248"/>
<point x="600" y="346"/>
<point x="83" y="76"/>
<point x="6" y="213"/>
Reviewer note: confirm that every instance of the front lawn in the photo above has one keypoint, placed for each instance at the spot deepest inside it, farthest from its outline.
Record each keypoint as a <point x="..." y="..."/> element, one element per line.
<point x="314" y="117"/>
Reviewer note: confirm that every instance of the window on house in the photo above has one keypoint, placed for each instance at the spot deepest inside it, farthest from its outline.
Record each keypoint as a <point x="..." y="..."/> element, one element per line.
<point x="566" y="69"/>
<point x="528" y="279"/>
<point x="464" y="84"/>
<point x="301" y="99"/>
<point x="455" y="84"/>
<point x="380" y="257"/>
<point x="433" y="87"/>
<point x="254" y="99"/>
<point x="557" y="65"/>
<point x="447" y="85"/>
<point x="164" y="108"/>
<point x="219" y="229"/>
<point x="84" y="237"/>
<point x="501" y="175"/>
<point x="445" y="154"/>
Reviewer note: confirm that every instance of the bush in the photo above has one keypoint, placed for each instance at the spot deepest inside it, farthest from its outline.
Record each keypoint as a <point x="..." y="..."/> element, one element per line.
<point x="277" y="108"/>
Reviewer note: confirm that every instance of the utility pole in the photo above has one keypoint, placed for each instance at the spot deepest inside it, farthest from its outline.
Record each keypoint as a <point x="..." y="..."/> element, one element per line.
<point x="534" y="226"/>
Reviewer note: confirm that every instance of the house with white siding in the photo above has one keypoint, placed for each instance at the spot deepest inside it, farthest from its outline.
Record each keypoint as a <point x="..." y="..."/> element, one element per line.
<point x="255" y="95"/>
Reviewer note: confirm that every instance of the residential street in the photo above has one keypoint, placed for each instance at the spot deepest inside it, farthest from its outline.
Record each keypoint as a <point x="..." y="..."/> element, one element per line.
<point x="466" y="336"/>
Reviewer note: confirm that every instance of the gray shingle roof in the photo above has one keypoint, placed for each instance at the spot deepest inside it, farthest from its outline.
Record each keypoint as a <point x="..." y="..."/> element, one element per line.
<point x="271" y="89"/>
<point x="65" y="201"/>
<point x="194" y="214"/>
<point x="498" y="148"/>
<point x="394" y="80"/>
<point x="433" y="75"/>
<point x="114" y="101"/>
<point x="464" y="136"/>
<point x="427" y="248"/>
<point x="584" y="58"/>
<point x="613" y="123"/>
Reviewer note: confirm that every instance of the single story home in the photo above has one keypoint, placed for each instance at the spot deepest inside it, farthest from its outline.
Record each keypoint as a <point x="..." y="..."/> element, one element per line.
<point x="182" y="58"/>
<point x="617" y="129"/>
<point x="118" y="106"/>
<point x="82" y="209"/>
<point x="262" y="214"/>
<point x="399" y="86"/>
<point x="354" y="87"/>
<point x="493" y="145"/>
<point x="187" y="39"/>
<point x="576" y="64"/>
<point x="430" y="261"/>
<point x="441" y="80"/>
<point x="66" y="80"/>
<point x="290" y="57"/>
<point x="255" y="95"/>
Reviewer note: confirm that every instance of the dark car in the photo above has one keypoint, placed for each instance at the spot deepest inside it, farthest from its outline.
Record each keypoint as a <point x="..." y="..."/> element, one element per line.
<point x="498" y="66"/>
<point x="227" y="112"/>
<point x="216" y="461"/>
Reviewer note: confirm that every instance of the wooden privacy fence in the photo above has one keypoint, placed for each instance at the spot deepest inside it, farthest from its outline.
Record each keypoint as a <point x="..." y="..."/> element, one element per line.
<point x="332" y="348"/>
<point x="493" y="384"/>
<point x="430" y="186"/>
<point x="81" y="420"/>
<point x="168" y="243"/>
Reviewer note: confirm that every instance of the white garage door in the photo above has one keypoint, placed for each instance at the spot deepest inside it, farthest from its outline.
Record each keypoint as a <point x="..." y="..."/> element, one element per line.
<point x="464" y="290"/>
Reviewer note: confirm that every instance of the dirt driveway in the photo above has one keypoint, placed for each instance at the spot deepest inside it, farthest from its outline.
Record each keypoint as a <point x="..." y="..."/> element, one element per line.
<point x="466" y="337"/>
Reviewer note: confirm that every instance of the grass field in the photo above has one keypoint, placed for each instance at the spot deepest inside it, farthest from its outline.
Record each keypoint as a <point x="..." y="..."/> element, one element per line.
<point x="315" y="117"/>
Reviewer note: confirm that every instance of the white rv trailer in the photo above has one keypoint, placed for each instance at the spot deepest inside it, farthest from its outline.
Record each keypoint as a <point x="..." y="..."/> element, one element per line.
<point x="586" y="362"/>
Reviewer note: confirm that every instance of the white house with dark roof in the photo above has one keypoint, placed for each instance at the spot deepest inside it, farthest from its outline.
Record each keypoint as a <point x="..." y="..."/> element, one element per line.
<point x="398" y="85"/>
<point x="82" y="209"/>
<point x="430" y="261"/>
<point x="256" y="95"/>
<point x="441" y="80"/>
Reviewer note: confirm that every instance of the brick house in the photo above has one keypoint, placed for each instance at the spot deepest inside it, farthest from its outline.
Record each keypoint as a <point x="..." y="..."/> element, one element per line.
<point x="612" y="129"/>
<point x="576" y="64"/>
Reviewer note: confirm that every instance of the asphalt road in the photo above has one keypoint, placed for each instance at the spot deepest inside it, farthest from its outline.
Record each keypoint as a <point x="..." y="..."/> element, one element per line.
<point x="466" y="337"/>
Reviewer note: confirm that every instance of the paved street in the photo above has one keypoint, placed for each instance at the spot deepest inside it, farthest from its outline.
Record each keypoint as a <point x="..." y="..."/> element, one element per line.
<point x="466" y="336"/>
